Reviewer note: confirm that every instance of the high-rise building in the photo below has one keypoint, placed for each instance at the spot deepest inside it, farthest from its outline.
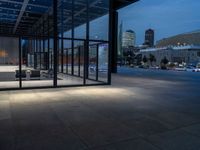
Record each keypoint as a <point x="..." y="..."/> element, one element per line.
<point x="149" y="37"/>
<point x="128" y="38"/>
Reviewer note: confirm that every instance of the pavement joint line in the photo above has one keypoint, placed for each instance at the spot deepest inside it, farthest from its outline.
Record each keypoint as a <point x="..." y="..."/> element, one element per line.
<point x="111" y="143"/>
<point x="197" y="136"/>
<point x="14" y="129"/>
<point x="69" y="127"/>
<point x="146" y="138"/>
<point x="171" y="130"/>
<point x="184" y="126"/>
<point x="151" y="143"/>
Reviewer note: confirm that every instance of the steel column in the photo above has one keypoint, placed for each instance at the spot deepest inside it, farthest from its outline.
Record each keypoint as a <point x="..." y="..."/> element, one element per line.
<point x="55" y="50"/>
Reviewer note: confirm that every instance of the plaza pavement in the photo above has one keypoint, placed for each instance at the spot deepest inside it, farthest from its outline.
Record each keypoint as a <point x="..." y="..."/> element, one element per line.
<point x="141" y="110"/>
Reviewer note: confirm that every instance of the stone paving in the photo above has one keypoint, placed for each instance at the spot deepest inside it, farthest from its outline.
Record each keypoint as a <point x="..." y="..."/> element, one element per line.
<point x="135" y="113"/>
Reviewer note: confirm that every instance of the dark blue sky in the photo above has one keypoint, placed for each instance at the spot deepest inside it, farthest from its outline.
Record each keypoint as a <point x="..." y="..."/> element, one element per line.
<point x="166" y="17"/>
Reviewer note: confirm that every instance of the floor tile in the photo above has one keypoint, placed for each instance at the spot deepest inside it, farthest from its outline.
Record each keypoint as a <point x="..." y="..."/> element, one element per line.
<point x="104" y="132"/>
<point x="5" y="109"/>
<point x="138" y="144"/>
<point x="146" y="126"/>
<point x="175" y="140"/>
<point x="193" y="129"/>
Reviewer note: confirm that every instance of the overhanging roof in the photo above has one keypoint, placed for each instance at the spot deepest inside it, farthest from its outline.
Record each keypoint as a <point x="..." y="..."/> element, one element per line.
<point x="123" y="3"/>
<point x="21" y="17"/>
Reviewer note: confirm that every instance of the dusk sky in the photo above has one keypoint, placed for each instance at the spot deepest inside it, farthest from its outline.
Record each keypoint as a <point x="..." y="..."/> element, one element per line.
<point x="166" y="17"/>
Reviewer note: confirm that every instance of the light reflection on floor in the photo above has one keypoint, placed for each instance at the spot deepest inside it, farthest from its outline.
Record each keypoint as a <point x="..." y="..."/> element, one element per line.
<point x="125" y="115"/>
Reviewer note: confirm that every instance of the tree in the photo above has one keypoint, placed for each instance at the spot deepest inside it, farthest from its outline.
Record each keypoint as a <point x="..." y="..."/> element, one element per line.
<point x="152" y="58"/>
<point x="164" y="62"/>
<point x="129" y="56"/>
<point x="145" y="59"/>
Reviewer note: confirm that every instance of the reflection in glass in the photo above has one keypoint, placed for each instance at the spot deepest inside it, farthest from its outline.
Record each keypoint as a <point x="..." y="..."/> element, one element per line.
<point x="9" y="61"/>
<point x="36" y="71"/>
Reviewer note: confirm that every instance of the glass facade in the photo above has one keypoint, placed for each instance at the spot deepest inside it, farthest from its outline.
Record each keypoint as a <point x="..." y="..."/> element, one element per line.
<point x="55" y="44"/>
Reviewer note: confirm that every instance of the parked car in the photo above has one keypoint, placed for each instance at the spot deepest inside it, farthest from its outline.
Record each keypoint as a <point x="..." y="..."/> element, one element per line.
<point x="180" y="69"/>
<point x="191" y="69"/>
<point x="155" y="67"/>
<point x="197" y="70"/>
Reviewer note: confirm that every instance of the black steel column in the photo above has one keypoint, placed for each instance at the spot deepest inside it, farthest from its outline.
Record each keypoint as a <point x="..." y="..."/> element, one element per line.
<point x="72" y="54"/>
<point x="40" y="49"/>
<point x="86" y="45"/>
<point x="48" y="43"/>
<point x="55" y="42"/>
<point x="62" y="55"/>
<point x="67" y="60"/>
<point x="113" y="34"/>
<point x="97" y="63"/>
<point x="87" y="39"/>
<point x="62" y="35"/>
<point x="85" y="59"/>
<point x="44" y="53"/>
<point x="20" y="63"/>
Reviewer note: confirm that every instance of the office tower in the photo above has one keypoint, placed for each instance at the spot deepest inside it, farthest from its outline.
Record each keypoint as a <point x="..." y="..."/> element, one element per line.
<point x="149" y="37"/>
<point x="128" y="38"/>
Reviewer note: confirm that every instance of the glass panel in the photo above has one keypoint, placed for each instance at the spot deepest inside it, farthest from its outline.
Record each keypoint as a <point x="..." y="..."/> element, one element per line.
<point x="65" y="18"/>
<point x="67" y="48"/>
<point x="93" y="61"/>
<point x="82" y="62"/>
<point x="36" y="69"/>
<point x="99" y="28"/>
<point x="60" y="57"/>
<point x="99" y="22"/>
<point x="66" y="77"/>
<point x="103" y="62"/>
<point x="98" y="63"/>
<point x="80" y="18"/>
<point x="9" y="62"/>
<point x="76" y="61"/>
<point x="78" y="58"/>
<point x="80" y="31"/>
<point x="69" y="66"/>
<point x="51" y="58"/>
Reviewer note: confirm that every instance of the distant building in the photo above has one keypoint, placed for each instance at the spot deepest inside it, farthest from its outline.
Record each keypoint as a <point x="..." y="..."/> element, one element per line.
<point x="190" y="38"/>
<point x="131" y="48"/>
<point x="149" y="38"/>
<point x="128" y="38"/>
<point x="177" y="54"/>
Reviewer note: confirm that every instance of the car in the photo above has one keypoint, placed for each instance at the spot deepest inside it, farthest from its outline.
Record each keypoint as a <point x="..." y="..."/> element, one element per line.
<point x="197" y="70"/>
<point x="155" y="67"/>
<point x="191" y="69"/>
<point x="180" y="69"/>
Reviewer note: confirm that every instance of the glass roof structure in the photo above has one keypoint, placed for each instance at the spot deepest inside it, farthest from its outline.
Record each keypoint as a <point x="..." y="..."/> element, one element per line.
<point x="24" y="17"/>
<point x="18" y="16"/>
